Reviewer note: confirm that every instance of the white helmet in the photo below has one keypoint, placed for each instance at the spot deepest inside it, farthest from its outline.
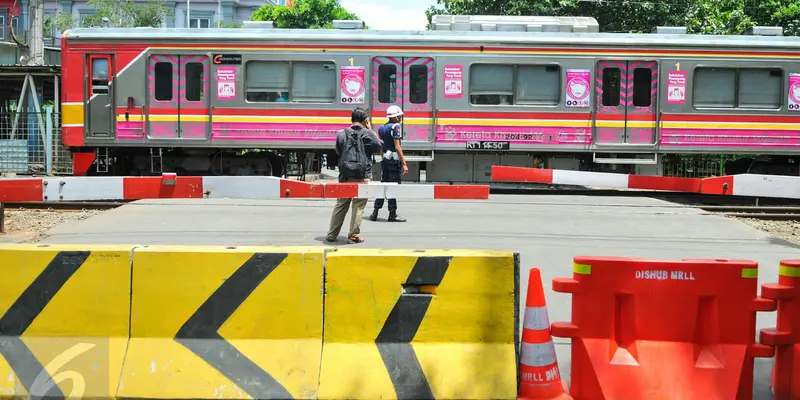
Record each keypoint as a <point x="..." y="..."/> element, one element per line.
<point x="393" y="111"/>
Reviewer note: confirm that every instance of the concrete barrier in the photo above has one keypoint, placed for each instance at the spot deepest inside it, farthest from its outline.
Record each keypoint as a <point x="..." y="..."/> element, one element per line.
<point x="420" y="324"/>
<point x="216" y="322"/>
<point x="174" y="322"/>
<point x="64" y="313"/>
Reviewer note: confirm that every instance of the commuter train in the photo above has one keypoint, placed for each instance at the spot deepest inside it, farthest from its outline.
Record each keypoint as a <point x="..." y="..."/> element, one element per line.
<point x="475" y="94"/>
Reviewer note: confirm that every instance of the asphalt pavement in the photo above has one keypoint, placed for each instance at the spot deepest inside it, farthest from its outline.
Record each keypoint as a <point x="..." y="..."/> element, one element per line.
<point x="547" y="232"/>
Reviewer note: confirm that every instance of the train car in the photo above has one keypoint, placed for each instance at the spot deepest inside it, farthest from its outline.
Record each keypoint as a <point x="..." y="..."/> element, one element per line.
<point x="476" y="92"/>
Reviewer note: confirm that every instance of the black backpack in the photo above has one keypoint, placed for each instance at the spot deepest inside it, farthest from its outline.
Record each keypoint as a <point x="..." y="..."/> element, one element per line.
<point x="354" y="162"/>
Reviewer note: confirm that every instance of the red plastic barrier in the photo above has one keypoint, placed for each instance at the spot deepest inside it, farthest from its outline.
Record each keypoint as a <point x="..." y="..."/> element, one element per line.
<point x="671" y="330"/>
<point x="786" y="337"/>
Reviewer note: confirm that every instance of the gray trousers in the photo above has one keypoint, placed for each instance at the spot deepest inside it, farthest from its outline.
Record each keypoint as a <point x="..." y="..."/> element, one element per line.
<point x="340" y="211"/>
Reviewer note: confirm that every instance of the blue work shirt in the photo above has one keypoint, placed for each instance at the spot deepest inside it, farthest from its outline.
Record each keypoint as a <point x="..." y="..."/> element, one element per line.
<point x="388" y="132"/>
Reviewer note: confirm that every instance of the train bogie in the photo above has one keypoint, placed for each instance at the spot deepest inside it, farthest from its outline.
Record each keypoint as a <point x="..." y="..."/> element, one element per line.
<point x="471" y="99"/>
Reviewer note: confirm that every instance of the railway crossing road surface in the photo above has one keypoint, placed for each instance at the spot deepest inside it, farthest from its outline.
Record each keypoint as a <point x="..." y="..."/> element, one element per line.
<point x="547" y="231"/>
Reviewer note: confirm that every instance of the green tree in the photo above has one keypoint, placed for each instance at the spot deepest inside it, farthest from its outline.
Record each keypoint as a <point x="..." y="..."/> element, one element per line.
<point x="717" y="17"/>
<point x="784" y="13"/>
<point x="613" y="16"/>
<point x="120" y="14"/>
<point x="699" y="16"/>
<point x="306" y="14"/>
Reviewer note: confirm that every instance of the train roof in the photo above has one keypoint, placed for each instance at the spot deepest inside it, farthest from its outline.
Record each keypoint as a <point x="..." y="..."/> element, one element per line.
<point x="357" y="36"/>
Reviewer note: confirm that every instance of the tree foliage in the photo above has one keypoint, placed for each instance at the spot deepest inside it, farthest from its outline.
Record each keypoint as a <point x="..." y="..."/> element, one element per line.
<point x="306" y="14"/>
<point x="120" y="14"/>
<point x="731" y="17"/>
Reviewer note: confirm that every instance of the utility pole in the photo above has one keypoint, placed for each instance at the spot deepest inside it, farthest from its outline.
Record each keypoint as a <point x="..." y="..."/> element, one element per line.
<point x="189" y="13"/>
<point x="219" y="13"/>
<point x="35" y="54"/>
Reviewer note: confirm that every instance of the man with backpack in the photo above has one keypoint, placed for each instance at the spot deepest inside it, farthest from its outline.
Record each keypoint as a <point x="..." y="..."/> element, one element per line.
<point x="355" y="146"/>
<point x="393" y="164"/>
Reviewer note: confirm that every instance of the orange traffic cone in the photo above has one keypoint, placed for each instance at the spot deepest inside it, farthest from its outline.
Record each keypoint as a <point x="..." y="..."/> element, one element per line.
<point x="538" y="366"/>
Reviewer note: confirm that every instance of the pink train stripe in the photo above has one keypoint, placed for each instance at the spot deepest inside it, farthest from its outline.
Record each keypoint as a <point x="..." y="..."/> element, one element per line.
<point x="395" y="61"/>
<point x="527" y="135"/>
<point x="426" y="62"/>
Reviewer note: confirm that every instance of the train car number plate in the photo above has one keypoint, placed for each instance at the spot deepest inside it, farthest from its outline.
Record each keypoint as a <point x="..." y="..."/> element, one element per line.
<point x="488" y="145"/>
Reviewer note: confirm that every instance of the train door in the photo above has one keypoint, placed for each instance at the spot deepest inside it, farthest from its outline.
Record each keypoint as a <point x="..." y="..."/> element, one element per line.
<point x="178" y="105"/>
<point x="407" y="82"/>
<point x="163" y="81"/>
<point x="99" y="99"/>
<point x="627" y="94"/>
<point x="193" y="113"/>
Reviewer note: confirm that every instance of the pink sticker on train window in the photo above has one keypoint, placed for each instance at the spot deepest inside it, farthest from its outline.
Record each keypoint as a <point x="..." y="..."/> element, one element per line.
<point x="578" y="88"/>
<point x="453" y="81"/>
<point x="794" y="92"/>
<point x="226" y="83"/>
<point x="353" y="85"/>
<point x="676" y="87"/>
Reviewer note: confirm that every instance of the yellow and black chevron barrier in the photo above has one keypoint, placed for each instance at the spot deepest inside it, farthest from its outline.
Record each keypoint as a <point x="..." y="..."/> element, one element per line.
<point x="173" y="322"/>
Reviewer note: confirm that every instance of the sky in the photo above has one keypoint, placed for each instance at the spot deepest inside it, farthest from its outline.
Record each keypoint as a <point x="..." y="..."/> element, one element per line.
<point x="391" y="14"/>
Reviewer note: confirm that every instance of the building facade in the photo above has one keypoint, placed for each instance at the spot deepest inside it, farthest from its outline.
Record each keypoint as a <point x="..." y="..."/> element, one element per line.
<point x="202" y="14"/>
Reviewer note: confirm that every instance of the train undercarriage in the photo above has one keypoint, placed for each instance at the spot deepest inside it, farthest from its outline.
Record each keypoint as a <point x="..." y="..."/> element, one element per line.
<point x="451" y="167"/>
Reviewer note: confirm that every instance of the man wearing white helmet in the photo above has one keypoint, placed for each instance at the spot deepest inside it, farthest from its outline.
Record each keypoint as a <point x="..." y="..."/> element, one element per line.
<point x="393" y="164"/>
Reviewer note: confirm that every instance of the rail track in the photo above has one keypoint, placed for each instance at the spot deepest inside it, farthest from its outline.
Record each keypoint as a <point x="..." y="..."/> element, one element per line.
<point x="775" y="213"/>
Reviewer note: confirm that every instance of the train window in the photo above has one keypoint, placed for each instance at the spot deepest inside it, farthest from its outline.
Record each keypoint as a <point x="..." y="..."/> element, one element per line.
<point x="760" y="88"/>
<point x="611" y="85"/>
<point x="491" y="84"/>
<point x="163" y="89"/>
<point x="538" y="84"/>
<point x="313" y="82"/>
<point x="642" y="87"/>
<point x="194" y="81"/>
<point x="418" y="83"/>
<point x="100" y="70"/>
<point x="387" y="83"/>
<point x="100" y="79"/>
<point x="267" y="81"/>
<point x="714" y="87"/>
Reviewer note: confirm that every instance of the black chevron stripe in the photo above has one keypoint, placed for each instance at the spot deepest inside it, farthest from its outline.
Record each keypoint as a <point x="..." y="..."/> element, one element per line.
<point x="394" y="340"/>
<point x="24" y="311"/>
<point x="218" y="352"/>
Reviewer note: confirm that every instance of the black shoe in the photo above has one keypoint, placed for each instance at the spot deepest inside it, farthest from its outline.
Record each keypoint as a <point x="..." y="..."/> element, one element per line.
<point x="374" y="216"/>
<point x="396" y="218"/>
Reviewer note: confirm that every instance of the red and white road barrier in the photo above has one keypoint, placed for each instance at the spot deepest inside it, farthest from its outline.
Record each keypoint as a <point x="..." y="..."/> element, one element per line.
<point x="599" y="179"/>
<point x="170" y="186"/>
<point x="750" y="185"/>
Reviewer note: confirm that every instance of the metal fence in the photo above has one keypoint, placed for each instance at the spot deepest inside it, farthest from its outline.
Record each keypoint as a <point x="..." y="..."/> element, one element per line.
<point x="30" y="144"/>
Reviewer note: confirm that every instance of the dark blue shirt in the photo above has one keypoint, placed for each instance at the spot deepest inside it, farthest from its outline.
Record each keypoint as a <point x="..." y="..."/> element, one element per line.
<point x="388" y="132"/>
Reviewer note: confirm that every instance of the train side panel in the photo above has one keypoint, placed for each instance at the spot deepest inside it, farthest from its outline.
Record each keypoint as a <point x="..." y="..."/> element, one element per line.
<point x="507" y="103"/>
<point x="730" y="106"/>
<point x="514" y="99"/>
